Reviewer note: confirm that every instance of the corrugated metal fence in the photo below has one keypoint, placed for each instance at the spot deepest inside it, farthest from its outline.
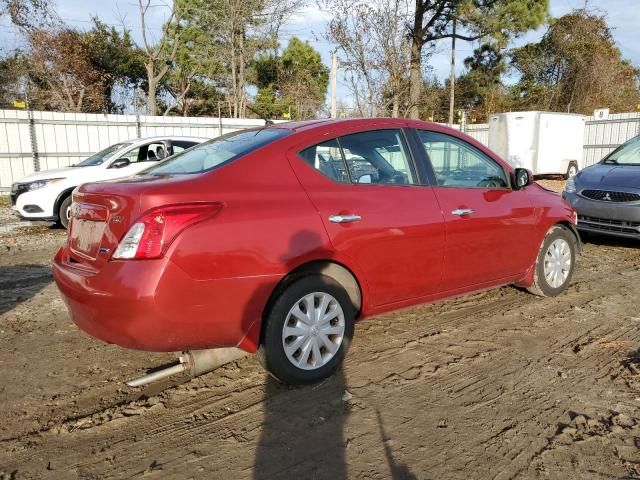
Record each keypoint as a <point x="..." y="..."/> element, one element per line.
<point x="601" y="136"/>
<point x="479" y="131"/>
<point x="46" y="140"/>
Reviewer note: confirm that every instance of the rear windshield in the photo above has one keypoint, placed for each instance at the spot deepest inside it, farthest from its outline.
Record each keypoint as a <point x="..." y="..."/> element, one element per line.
<point x="626" y="154"/>
<point x="214" y="153"/>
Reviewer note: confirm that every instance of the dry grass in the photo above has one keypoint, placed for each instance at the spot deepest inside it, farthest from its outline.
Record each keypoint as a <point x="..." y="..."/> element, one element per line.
<point x="556" y="185"/>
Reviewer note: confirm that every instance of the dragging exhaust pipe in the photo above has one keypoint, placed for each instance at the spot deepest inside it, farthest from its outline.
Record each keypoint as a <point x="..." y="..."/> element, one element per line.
<point x="194" y="363"/>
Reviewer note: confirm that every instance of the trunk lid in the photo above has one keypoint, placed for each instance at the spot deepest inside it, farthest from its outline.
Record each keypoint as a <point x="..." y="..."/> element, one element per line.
<point x="102" y="213"/>
<point x="98" y="220"/>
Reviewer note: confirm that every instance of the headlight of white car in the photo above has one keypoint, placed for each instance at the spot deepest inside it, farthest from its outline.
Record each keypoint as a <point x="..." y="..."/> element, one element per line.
<point x="570" y="186"/>
<point x="42" y="183"/>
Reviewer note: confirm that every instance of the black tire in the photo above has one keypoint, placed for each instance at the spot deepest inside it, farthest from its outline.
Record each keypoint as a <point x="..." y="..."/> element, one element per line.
<point x="63" y="212"/>
<point x="541" y="286"/>
<point x="272" y="352"/>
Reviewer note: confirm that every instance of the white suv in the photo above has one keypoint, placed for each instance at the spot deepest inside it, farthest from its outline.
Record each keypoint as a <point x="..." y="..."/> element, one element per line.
<point x="47" y="195"/>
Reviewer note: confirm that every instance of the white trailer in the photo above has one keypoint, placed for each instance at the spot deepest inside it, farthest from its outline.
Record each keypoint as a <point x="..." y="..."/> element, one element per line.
<point x="547" y="143"/>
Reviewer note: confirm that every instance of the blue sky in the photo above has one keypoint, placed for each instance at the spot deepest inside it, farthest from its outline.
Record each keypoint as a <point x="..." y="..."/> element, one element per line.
<point x="309" y="24"/>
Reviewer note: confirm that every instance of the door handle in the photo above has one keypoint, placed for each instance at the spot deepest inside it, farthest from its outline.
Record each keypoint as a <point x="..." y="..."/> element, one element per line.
<point x="461" y="212"/>
<point x="344" y="218"/>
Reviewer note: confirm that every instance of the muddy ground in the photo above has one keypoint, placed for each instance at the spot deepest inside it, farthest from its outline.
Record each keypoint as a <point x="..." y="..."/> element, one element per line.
<point x="501" y="385"/>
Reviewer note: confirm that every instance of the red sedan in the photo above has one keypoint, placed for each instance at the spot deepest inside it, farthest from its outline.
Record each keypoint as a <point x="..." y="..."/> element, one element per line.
<point x="280" y="238"/>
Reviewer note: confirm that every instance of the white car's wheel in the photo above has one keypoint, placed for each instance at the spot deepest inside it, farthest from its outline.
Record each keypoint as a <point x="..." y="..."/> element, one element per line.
<point x="64" y="212"/>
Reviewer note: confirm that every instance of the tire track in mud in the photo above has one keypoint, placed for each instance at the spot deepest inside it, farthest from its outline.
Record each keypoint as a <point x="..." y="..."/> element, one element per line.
<point x="478" y="363"/>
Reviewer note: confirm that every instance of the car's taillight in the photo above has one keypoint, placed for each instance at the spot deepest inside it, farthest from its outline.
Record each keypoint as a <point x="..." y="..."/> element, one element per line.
<point x="152" y="233"/>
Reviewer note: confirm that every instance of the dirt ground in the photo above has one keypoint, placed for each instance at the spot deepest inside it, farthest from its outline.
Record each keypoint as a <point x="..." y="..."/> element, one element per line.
<point x="496" y="385"/>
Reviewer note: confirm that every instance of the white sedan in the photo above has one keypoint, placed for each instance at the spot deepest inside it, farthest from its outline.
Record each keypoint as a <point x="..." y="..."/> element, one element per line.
<point x="47" y="195"/>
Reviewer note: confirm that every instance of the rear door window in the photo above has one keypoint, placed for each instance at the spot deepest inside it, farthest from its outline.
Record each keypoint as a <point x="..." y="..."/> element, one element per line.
<point x="378" y="156"/>
<point x="218" y="151"/>
<point x="375" y="157"/>
<point x="327" y="159"/>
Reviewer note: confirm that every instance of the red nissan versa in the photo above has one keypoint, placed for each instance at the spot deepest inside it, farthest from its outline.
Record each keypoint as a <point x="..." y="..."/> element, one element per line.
<point x="278" y="239"/>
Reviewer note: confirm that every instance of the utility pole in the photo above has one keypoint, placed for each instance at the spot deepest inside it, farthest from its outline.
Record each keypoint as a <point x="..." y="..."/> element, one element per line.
<point x="452" y="78"/>
<point x="334" y="83"/>
<point x="32" y="128"/>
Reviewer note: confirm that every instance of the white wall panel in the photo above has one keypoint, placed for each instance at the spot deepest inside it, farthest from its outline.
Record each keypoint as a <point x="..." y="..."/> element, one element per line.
<point x="66" y="138"/>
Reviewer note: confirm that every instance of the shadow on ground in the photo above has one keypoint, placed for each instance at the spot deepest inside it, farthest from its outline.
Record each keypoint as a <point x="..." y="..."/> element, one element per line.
<point x="21" y="282"/>
<point x="609" y="241"/>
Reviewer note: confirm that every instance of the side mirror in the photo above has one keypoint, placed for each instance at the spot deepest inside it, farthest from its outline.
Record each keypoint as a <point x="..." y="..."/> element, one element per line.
<point x="522" y="177"/>
<point x="120" y="163"/>
<point x="365" y="178"/>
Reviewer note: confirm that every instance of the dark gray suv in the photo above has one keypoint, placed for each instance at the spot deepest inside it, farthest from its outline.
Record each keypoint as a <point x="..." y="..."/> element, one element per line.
<point x="607" y="195"/>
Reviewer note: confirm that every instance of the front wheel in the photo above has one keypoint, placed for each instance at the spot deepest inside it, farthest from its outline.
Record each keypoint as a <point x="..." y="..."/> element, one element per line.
<point x="555" y="263"/>
<point x="64" y="212"/>
<point x="308" y="331"/>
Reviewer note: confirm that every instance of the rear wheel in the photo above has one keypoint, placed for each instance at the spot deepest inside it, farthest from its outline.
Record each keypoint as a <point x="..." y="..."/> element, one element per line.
<point x="555" y="263"/>
<point x="308" y="331"/>
<point x="64" y="212"/>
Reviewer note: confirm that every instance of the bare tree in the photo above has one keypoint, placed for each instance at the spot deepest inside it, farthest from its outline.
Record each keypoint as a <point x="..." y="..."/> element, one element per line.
<point x="159" y="56"/>
<point x="63" y="77"/>
<point x="234" y="31"/>
<point x="179" y="91"/>
<point x="391" y="16"/>
<point x="372" y="38"/>
<point x="276" y="14"/>
<point x="30" y="14"/>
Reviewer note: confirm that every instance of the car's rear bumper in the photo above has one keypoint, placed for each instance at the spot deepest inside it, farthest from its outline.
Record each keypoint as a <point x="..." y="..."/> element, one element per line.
<point x="154" y="305"/>
<point x="609" y="218"/>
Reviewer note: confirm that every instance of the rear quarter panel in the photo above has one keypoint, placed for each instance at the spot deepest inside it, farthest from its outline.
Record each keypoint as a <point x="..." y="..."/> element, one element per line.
<point x="266" y="229"/>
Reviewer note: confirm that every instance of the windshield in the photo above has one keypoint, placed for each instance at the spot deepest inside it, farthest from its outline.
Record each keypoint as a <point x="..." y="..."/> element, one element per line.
<point x="626" y="154"/>
<point x="102" y="155"/>
<point x="214" y="153"/>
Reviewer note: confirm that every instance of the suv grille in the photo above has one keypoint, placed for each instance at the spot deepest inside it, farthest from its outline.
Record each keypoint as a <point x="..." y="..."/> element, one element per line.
<point x="607" y="196"/>
<point x="608" y="225"/>
<point x="17" y="189"/>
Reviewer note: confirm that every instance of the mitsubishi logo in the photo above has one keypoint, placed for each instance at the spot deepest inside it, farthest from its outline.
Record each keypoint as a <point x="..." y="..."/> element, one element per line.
<point x="607" y="197"/>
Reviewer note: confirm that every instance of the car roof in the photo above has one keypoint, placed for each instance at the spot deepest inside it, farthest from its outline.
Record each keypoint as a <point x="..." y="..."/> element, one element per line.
<point x="340" y="126"/>
<point x="372" y="122"/>
<point x="165" y="137"/>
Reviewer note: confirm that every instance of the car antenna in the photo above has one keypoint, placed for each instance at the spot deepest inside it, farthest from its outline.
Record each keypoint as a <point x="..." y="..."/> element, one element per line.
<point x="267" y="121"/>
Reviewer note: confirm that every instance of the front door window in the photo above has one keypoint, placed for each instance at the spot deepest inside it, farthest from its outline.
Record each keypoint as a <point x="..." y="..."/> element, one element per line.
<point x="458" y="164"/>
